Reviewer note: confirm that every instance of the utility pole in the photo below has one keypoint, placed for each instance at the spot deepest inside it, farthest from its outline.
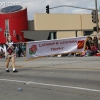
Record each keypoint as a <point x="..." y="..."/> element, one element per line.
<point x="96" y="16"/>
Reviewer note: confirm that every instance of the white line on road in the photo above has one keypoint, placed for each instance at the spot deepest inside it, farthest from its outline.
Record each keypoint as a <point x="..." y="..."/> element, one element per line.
<point x="53" y="85"/>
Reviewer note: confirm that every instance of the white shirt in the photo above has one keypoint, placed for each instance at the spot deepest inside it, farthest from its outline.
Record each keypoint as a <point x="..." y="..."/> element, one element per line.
<point x="10" y="44"/>
<point x="98" y="35"/>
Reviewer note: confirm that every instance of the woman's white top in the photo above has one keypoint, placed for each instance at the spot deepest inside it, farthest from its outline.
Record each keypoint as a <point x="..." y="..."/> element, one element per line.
<point x="10" y="44"/>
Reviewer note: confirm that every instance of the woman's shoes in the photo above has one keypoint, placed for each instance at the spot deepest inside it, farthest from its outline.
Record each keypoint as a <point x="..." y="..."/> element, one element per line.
<point x="7" y="71"/>
<point x="15" y="71"/>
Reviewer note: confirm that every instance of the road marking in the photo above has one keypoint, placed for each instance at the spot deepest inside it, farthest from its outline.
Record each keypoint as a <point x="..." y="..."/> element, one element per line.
<point x="53" y="85"/>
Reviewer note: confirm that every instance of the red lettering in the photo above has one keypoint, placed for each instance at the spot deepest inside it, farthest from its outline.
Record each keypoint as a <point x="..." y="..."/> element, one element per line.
<point x="57" y="42"/>
<point x="55" y="49"/>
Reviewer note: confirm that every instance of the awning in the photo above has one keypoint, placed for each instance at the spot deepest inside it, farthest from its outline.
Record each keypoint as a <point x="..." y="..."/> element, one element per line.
<point x="36" y="35"/>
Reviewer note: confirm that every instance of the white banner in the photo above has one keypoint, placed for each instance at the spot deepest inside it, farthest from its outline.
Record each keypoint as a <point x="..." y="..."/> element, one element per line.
<point x="51" y="47"/>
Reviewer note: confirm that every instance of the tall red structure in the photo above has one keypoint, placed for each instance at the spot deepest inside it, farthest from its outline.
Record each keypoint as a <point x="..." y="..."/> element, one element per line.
<point x="13" y="20"/>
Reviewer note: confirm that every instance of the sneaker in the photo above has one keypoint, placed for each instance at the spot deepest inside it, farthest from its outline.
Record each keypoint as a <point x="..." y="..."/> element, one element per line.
<point x="15" y="71"/>
<point x="7" y="71"/>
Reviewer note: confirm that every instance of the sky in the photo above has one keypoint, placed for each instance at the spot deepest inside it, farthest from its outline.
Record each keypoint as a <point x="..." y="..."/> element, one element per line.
<point x="39" y="6"/>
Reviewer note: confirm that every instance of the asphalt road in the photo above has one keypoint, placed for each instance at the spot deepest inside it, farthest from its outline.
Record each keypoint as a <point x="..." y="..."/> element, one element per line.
<point x="52" y="78"/>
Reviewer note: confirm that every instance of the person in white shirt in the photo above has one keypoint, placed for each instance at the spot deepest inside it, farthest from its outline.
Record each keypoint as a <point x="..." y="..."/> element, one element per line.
<point x="1" y="52"/>
<point x="98" y="35"/>
<point x="1" y="49"/>
<point x="10" y="54"/>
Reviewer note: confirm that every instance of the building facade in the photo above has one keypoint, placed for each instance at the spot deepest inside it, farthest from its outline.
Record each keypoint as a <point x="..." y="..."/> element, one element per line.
<point x="56" y="26"/>
<point x="14" y="22"/>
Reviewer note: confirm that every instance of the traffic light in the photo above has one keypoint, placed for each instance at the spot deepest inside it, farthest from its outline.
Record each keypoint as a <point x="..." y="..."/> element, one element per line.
<point x="47" y="9"/>
<point x="94" y="16"/>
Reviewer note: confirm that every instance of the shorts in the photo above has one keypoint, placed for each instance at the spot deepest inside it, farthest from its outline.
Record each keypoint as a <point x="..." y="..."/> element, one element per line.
<point x="8" y="55"/>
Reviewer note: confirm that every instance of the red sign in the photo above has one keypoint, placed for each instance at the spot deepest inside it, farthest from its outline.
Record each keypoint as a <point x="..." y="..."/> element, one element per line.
<point x="80" y="44"/>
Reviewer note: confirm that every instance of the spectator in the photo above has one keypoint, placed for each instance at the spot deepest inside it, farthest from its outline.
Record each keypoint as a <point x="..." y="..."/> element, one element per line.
<point x="23" y="47"/>
<point x="88" y="42"/>
<point x="20" y="50"/>
<point x="16" y="50"/>
<point x="94" y="49"/>
<point x="95" y="40"/>
<point x="1" y="52"/>
<point x="98" y="35"/>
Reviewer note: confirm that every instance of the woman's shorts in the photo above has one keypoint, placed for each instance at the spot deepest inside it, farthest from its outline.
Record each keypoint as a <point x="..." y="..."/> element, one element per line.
<point x="9" y="56"/>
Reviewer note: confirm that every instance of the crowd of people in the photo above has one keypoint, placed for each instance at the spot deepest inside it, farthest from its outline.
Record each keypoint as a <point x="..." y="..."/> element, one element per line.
<point x="91" y="49"/>
<point x="20" y="50"/>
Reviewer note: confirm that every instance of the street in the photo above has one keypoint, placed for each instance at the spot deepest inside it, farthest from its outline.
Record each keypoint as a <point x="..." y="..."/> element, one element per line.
<point x="51" y="78"/>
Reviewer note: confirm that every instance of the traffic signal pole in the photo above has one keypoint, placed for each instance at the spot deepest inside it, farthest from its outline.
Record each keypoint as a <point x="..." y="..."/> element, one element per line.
<point x="93" y="10"/>
<point x="72" y="7"/>
<point x="48" y="8"/>
<point x="96" y="16"/>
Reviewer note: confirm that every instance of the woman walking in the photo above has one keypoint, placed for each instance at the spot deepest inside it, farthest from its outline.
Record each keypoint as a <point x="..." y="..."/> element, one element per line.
<point x="10" y="54"/>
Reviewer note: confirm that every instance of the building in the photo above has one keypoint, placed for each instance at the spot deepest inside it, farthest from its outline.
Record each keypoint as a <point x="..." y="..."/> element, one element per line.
<point x="13" y="19"/>
<point x="56" y="26"/>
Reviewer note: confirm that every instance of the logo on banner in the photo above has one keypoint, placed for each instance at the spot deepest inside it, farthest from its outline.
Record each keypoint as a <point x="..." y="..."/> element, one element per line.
<point x="80" y="44"/>
<point x="33" y="49"/>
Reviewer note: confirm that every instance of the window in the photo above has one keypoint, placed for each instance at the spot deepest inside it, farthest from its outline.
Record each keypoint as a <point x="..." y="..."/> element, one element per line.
<point x="14" y="33"/>
<point x="88" y="33"/>
<point x="7" y="24"/>
<point x="52" y="35"/>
